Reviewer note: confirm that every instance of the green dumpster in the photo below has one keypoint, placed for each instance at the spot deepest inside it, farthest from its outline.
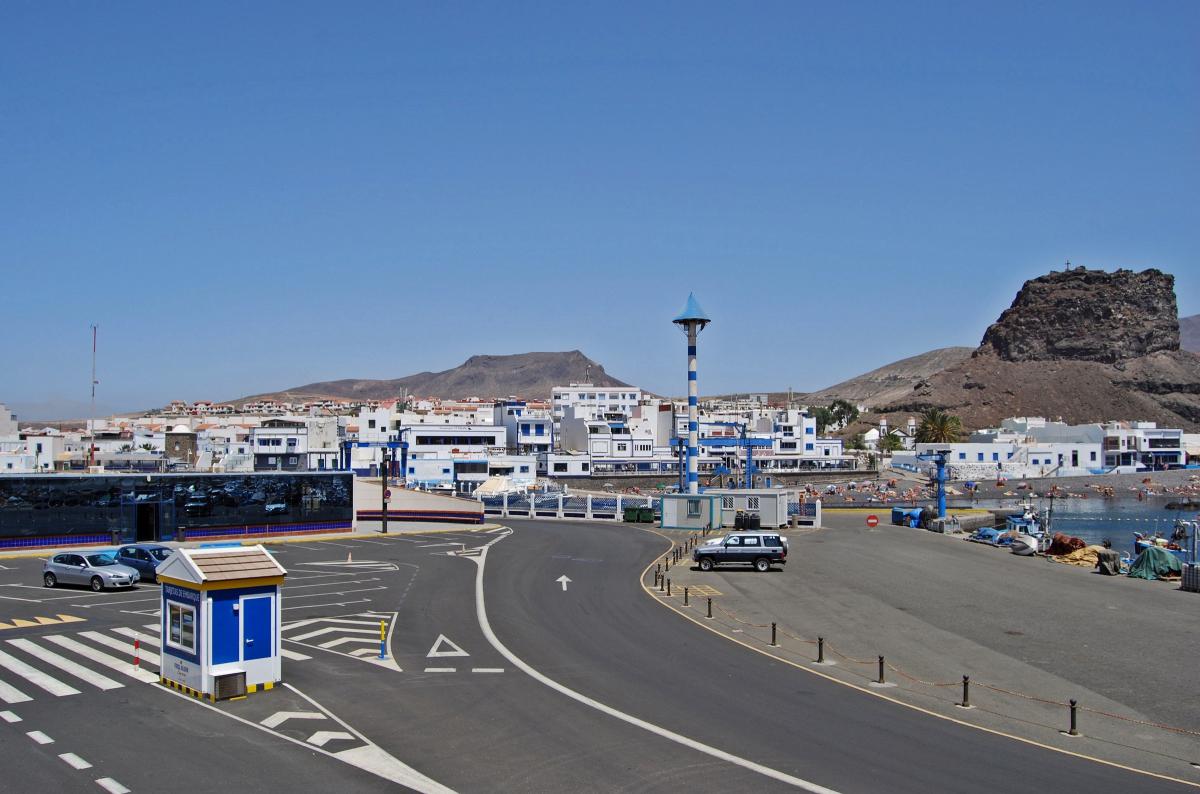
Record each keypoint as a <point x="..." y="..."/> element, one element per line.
<point x="631" y="515"/>
<point x="646" y="515"/>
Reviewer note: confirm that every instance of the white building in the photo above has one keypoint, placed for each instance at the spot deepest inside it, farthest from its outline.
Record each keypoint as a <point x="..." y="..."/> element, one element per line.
<point x="594" y="402"/>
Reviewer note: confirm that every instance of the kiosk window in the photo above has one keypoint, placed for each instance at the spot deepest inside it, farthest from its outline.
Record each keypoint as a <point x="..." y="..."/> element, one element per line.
<point x="182" y="627"/>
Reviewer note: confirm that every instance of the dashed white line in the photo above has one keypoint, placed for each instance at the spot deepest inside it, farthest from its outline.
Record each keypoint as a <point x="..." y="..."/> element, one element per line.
<point x="111" y="786"/>
<point x="74" y="761"/>
<point x="487" y="669"/>
<point x="440" y="669"/>
<point x="39" y="737"/>
<point x="8" y="716"/>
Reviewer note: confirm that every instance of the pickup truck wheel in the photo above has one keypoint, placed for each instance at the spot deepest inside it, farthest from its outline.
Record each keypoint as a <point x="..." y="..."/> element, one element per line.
<point x="762" y="565"/>
<point x="706" y="563"/>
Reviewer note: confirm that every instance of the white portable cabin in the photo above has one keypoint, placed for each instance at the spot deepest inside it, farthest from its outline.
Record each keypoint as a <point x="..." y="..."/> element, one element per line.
<point x="221" y="621"/>
<point x="690" y="511"/>
<point x="769" y="504"/>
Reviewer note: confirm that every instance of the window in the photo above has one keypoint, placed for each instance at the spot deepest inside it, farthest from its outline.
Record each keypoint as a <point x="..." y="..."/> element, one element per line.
<point x="445" y="471"/>
<point x="292" y="460"/>
<point x="787" y="444"/>
<point x="539" y="430"/>
<point x="270" y="461"/>
<point x="980" y="456"/>
<point x="525" y="430"/>
<point x="752" y="503"/>
<point x="524" y="469"/>
<point x="182" y="627"/>
<point x="371" y="424"/>
<point x="734" y="541"/>
<point x="808" y="447"/>
<point x="809" y="431"/>
<point x="727" y="502"/>
<point x="1093" y="455"/>
<point x="962" y="456"/>
<point x="693" y="508"/>
<point x="560" y="467"/>
<point x="750" y="540"/>
<point x="585" y="466"/>
<point x="772" y="540"/>
<point x="995" y="456"/>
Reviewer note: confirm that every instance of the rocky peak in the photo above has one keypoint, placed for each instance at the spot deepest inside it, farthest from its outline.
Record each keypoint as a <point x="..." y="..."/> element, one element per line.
<point x="1088" y="315"/>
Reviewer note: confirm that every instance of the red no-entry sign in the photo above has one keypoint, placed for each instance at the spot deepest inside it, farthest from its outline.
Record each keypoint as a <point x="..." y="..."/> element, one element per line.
<point x="872" y="521"/>
<point x="387" y="494"/>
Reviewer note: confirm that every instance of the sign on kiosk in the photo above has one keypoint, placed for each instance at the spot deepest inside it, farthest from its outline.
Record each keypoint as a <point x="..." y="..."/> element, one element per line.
<point x="221" y="621"/>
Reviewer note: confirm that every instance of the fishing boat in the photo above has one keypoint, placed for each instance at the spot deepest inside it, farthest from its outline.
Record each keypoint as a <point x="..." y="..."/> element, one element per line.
<point x="1175" y="544"/>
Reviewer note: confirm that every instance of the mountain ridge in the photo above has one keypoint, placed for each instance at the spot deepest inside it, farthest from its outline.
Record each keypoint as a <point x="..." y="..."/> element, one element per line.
<point x="529" y="375"/>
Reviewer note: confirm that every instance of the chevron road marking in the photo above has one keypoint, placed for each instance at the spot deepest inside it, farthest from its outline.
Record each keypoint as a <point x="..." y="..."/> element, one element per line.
<point x="321" y="738"/>
<point x="280" y="717"/>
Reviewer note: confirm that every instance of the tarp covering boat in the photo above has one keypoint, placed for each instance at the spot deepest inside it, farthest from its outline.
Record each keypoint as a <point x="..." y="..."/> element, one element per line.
<point x="1062" y="544"/>
<point x="1156" y="563"/>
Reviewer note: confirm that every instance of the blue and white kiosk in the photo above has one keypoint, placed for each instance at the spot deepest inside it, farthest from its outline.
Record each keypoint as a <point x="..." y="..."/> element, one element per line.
<point x="221" y="621"/>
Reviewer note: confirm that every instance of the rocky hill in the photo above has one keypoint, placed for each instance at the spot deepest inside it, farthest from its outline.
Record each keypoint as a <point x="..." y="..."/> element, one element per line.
<point x="1189" y="333"/>
<point x="890" y="382"/>
<point x="529" y="375"/>
<point x="1084" y="345"/>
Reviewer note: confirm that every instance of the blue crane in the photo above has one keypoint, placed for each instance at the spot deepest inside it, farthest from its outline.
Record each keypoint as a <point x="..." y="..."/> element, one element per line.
<point x="939" y="458"/>
<point x="740" y="441"/>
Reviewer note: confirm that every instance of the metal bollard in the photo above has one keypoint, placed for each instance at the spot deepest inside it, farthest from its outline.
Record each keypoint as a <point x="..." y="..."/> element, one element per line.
<point x="710" y="607"/>
<point x="773" y="643"/>
<point x="685" y="596"/>
<point x="820" y="650"/>
<point x="662" y="580"/>
<point x="1074" y="727"/>
<point x="668" y="587"/>
<point x="657" y="567"/>
<point x="881" y="680"/>
<point x="966" y="701"/>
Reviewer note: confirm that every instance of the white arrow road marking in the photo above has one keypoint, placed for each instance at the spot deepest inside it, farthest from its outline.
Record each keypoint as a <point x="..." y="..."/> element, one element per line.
<point x="563" y="580"/>
<point x="439" y="642"/>
<point x="280" y="717"/>
<point x="715" y="752"/>
<point x="321" y="738"/>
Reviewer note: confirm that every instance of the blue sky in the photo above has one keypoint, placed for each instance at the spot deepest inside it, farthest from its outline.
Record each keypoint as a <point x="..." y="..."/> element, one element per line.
<point x="247" y="197"/>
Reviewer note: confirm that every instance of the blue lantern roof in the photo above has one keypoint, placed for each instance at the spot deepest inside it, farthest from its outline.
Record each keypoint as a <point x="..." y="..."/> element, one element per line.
<point x="692" y="312"/>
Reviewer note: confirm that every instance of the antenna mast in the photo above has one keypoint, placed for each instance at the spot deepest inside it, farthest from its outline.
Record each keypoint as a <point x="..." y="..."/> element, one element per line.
<point x="92" y="415"/>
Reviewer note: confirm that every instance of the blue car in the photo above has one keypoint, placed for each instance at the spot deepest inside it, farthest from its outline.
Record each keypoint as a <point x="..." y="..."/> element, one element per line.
<point x="144" y="558"/>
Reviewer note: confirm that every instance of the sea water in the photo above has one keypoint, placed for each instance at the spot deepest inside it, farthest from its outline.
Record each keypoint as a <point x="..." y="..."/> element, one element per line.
<point x="1095" y="520"/>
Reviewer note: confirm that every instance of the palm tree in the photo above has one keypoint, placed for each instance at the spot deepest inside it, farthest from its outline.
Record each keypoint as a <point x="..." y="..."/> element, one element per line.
<point x="890" y="442"/>
<point x="939" y="427"/>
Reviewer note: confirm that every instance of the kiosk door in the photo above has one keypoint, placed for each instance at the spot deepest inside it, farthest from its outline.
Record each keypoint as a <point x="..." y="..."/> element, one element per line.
<point x="256" y="627"/>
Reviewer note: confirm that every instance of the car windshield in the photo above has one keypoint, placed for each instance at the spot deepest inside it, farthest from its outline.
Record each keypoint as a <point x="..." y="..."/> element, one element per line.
<point x="100" y="560"/>
<point x="159" y="554"/>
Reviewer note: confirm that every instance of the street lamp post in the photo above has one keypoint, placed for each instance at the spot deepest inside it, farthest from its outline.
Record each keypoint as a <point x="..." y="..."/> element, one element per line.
<point x="383" y="491"/>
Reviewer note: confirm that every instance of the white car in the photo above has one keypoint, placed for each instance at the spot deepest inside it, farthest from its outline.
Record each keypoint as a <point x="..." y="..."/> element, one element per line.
<point x="97" y="570"/>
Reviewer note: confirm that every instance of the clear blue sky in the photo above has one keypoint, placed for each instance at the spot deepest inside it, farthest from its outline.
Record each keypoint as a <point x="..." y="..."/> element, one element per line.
<point x="250" y="196"/>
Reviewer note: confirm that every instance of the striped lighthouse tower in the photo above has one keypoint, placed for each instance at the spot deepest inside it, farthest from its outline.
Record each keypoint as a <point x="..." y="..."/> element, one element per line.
<point x="692" y="321"/>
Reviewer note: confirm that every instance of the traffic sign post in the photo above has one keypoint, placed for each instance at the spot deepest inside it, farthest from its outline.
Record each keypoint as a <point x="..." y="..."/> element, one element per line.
<point x="872" y="521"/>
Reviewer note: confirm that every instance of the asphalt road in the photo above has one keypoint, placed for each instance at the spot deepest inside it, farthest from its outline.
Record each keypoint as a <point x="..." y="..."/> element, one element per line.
<point x="498" y="679"/>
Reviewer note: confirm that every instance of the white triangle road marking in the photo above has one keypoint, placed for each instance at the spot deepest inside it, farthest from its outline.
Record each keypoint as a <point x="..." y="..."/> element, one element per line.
<point x="441" y="640"/>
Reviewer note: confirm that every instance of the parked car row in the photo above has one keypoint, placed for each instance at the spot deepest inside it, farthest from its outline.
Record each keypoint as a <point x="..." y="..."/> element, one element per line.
<point x="100" y="570"/>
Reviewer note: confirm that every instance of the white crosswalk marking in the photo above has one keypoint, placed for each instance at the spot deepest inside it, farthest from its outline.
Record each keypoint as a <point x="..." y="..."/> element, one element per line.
<point x="123" y="666"/>
<point x="36" y="677"/>
<point x="10" y="694"/>
<point x="332" y="629"/>
<point x="298" y="657"/>
<point x="125" y="646"/>
<point x="141" y="635"/>
<point x="66" y="665"/>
